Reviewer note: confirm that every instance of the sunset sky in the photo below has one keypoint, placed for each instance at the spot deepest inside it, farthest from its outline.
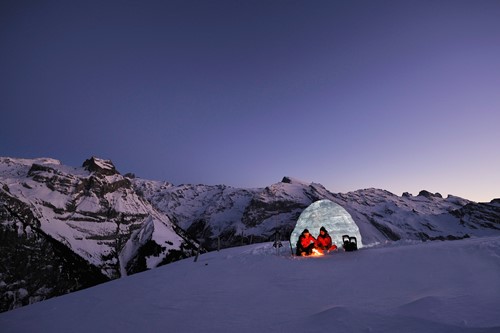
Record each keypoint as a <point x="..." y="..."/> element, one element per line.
<point x="397" y="95"/>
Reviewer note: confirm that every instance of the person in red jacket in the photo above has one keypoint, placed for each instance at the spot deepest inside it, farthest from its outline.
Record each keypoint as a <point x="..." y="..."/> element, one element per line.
<point x="324" y="241"/>
<point x="306" y="243"/>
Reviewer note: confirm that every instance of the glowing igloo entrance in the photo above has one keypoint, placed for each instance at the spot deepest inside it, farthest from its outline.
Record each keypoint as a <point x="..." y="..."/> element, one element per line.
<point x="328" y="214"/>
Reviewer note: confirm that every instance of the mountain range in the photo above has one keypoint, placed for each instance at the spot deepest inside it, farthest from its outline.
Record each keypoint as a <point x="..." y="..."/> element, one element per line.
<point x="65" y="228"/>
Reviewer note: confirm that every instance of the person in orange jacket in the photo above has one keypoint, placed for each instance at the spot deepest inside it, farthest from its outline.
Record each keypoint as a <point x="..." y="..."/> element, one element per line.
<point x="324" y="241"/>
<point x="306" y="243"/>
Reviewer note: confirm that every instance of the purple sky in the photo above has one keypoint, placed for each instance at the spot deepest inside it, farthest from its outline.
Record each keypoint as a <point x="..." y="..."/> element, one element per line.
<point x="398" y="95"/>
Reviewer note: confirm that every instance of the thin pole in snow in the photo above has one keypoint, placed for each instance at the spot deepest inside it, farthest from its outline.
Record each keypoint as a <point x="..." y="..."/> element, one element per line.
<point x="197" y="253"/>
<point x="277" y="242"/>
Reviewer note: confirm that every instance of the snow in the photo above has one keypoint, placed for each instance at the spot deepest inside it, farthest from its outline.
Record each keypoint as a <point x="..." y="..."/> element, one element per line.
<point x="406" y="216"/>
<point x="16" y="168"/>
<point x="89" y="203"/>
<point x="136" y="240"/>
<point x="64" y="209"/>
<point x="449" y="286"/>
<point x="221" y="205"/>
<point x="103" y="164"/>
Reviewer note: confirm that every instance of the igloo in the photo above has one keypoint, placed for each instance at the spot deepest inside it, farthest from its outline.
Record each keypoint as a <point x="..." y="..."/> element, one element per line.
<point x="328" y="214"/>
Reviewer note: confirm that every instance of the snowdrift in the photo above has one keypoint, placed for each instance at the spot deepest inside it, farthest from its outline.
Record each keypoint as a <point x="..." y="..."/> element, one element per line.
<point x="449" y="286"/>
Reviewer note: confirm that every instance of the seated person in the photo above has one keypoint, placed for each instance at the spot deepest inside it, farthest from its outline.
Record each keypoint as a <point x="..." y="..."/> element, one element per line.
<point x="324" y="241"/>
<point x="305" y="244"/>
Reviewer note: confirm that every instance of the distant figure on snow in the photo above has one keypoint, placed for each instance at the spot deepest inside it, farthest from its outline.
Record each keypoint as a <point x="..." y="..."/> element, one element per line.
<point x="305" y="244"/>
<point x="324" y="241"/>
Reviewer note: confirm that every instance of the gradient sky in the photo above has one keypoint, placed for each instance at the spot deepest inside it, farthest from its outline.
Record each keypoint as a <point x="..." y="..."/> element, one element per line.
<point x="398" y="95"/>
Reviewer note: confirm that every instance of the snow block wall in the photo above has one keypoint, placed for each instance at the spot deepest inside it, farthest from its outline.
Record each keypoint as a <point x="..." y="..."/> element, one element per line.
<point x="332" y="216"/>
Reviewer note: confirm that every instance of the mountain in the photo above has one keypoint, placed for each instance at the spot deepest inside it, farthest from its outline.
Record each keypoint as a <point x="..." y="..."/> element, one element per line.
<point x="432" y="287"/>
<point x="242" y="216"/>
<point x="66" y="228"/>
<point x="235" y="216"/>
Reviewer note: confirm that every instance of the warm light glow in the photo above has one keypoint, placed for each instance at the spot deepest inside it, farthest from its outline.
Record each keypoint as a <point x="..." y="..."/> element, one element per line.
<point x="316" y="252"/>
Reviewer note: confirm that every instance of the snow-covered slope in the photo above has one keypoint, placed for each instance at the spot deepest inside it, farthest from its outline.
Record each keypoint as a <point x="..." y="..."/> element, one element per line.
<point x="439" y="286"/>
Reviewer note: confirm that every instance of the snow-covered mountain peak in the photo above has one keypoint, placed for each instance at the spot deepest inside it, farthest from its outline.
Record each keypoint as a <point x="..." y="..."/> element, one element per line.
<point x="100" y="166"/>
<point x="28" y="161"/>
<point x="292" y="180"/>
<point x="19" y="167"/>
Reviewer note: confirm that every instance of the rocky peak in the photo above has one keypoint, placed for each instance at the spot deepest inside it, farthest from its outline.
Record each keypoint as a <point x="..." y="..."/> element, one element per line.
<point x="100" y="166"/>
<point x="429" y="195"/>
<point x="291" y="180"/>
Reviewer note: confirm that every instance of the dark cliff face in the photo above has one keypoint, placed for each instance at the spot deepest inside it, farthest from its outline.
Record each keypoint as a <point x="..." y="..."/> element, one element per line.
<point x="485" y="215"/>
<point x="34" y="266"/>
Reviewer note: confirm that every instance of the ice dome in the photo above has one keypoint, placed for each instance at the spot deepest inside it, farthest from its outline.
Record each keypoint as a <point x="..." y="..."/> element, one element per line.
<point x="328" y="214"/>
